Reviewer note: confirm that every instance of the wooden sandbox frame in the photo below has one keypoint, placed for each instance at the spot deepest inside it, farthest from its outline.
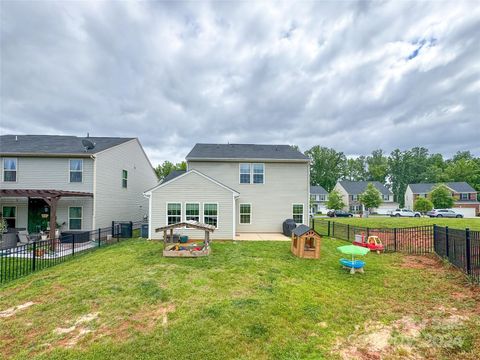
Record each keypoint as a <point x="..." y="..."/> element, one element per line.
<point x="168" y="250"/>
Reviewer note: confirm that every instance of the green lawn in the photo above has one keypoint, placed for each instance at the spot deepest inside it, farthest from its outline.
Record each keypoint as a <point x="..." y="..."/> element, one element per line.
<point x="249" y="300"/>
<point x="391" y="222"/>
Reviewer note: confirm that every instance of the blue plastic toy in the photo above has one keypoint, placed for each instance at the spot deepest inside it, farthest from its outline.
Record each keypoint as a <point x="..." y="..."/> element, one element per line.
<point x="356" y="265"/>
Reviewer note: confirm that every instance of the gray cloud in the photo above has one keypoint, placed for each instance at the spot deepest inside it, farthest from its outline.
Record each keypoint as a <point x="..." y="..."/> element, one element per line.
<point x="355" y="76"/>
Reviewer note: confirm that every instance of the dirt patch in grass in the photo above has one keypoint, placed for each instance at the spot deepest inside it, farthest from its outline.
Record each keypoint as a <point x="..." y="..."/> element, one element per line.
<point x="421" y="262"/>
<point x="405" y="338"/>
<point x="73" y="334"/>
<point x="13" y="310"/>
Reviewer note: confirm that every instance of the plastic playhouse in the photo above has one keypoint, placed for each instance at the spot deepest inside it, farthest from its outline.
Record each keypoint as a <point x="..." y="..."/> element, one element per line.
<point x="372" y="242"/>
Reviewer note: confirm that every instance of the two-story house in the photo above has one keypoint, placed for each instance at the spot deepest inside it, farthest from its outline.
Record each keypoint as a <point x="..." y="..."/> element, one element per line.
<point x="351" y="191"/>
<point x="89" y="183"/>
<point x="318" y="199"/>
<point x="464" y="195"/>
<point x="235" y="187"/>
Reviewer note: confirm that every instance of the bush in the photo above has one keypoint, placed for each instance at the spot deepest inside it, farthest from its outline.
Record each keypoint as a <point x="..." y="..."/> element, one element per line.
<point x="422" y="205"/>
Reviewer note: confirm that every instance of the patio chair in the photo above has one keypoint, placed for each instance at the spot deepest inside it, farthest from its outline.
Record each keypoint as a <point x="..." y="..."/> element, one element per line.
<point x="24" y="238"/>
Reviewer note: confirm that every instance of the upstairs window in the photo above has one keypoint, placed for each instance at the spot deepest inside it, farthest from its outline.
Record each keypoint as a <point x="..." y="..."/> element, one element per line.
<point x="252" y="173"/>
<point x="10" y="169"/>
<point x="76" y="170"/>
<point x="210" y="214"/>
<point x="322" y="197"/>
<point x="464" y="196"/>
<point x="298" y="213"/>
<point x="174" y="213"/>
<point x="124" y="179"/>
<point x="386" y="197"/>
<point x="192" y="211"/>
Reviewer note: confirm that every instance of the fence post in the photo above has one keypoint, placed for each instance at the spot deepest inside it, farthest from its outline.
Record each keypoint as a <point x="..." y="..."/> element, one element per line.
<point x="113" y="229"/>
<point x="333" y="228"/>
<point x="73" y="244"/>
<point x="313" y="223"/>
<point x="99" y="236"/>
<point x="131" y="229"/>
<point x="446" y="242"/>
<point x="118" y="232"/>
<point x="467" y="251"/>
<point x="328" y="231"/>
<point x="348" y="232"/>
<point x="368" y="232"/>
<point x="395" y="239"/>
<point x="34" y="256"/>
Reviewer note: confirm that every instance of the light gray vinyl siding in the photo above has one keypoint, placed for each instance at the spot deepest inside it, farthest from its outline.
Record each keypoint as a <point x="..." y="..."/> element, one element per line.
<point x="112" y="201"/>
<point x="193" y="187"/>
<point x="285" y="184"/>
<point x="49" y="174"/>
<point x="62" y="211"/>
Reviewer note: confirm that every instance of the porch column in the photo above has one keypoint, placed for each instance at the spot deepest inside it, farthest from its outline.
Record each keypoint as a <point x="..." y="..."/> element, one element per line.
<point x="52" y="202"/>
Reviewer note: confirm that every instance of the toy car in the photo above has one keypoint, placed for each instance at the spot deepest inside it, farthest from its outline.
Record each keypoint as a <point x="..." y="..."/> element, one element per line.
<point x="373" y="243"/>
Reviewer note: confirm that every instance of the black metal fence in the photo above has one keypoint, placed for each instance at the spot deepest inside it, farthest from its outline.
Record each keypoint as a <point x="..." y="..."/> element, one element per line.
<point x="22" y="260"/>
<point x="460" y="247"/>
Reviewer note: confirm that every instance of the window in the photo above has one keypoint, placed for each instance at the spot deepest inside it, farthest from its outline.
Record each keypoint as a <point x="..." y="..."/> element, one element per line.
<point x="464" y="196"/>
<point x="298" y="213"/>
<point x="75" y="217"/>
<point x="245" y="213"/>
<point x="76" y="170"/>
<point x="124" y="178"/>
<point x="386" y="197"/>
<point x="354" y="197"/>
<point x="174" y="213"/>
<point x="210" y="214"/>
<point x="252" y="173"/>
<point x="192" y="211"/>
<point x="9" y="214"/>
<point x="258" y="172"/>
<point x="10" y="169"/>
<point x="245" y="173"/>
<point x="322" y="197"/>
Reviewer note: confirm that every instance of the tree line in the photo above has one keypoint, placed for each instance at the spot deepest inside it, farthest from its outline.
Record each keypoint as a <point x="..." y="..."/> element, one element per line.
<point x="396" y="170"/>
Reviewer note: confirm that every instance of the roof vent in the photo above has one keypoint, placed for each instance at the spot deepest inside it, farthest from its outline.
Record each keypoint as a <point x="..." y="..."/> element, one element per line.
<point x="87" y="144"/>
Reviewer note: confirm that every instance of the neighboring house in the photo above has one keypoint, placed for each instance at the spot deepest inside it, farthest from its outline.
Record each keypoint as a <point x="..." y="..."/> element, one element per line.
<point x="351" y="191"/>
<point x="318" y="199"/>
<point x="236" y="187"/>
<point x="95" y="186"/>
<point x="464" y="195"/>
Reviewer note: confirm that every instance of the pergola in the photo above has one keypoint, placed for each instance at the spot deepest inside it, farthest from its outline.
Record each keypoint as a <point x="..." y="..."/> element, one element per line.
<point x="187" y="224"/>
<point x="51" y="197"/>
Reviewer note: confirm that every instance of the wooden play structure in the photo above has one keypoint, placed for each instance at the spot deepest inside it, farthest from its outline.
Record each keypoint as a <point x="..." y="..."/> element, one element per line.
<point x="306" y="242"/>
<point x="188" y="249"/>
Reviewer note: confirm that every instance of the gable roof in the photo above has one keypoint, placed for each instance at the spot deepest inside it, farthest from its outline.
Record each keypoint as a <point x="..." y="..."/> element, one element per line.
<point x="424" y="188"/>
<point x="358" y="187"/>
<point x="186" y="173"/>
<point x="317" y="189"/>
<point x="245" y="152"/>
<point x="38" y="145"/>
<point x="173" y="175"/>
<point x="301" y="229"/>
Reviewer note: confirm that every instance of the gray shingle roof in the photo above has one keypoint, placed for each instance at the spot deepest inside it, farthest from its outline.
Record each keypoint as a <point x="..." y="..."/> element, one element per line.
<point x="245" y="151"/>
<point x="173" y="175"/>
<point x="301" y="229"/>
<point x="317" y="189"/>
<point x="358" y="187"/>
<point x="425" y="188"/>
<point x="54" y="144"/>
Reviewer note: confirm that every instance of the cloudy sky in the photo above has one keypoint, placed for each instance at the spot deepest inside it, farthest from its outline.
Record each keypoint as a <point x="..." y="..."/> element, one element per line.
<point x="355" y="76"/>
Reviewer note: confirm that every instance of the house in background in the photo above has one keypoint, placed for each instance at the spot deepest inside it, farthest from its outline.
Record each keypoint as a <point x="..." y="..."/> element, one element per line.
<point x="95" y="181"/>
<point x="464" y="195"/>
<point x="318" y="199"/>
<point x="351" y="190"/>
<point x="238" y="188"/>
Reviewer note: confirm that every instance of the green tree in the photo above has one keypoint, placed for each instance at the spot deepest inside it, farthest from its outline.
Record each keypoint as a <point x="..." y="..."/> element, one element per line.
<point x="355" y="169"/>
<point x="441" y="197"/>
<point x="326" y="167"/>
<point x="377" y="166"/>
<point x="422" y="205"/>
<point x="167" y="167"/>
<point x="371" y="198"/>
<point x="335" y="200"/>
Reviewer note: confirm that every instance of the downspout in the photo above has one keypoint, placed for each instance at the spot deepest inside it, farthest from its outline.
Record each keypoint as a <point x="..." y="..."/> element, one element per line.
<point x="94" y="210"/>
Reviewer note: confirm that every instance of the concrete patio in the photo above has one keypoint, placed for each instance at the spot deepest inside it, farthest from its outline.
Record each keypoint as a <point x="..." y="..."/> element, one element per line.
<point x="261" y="237"/>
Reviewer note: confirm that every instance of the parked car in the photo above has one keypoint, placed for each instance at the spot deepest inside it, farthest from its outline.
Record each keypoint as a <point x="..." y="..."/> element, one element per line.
<point x="405" y="213"/>
<point x="339" y="213"/>
<point x="444" y="213"/>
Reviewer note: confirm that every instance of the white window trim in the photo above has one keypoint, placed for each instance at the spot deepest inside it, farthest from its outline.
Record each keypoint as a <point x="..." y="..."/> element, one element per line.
<point x="218" y="212"/>
<point x="240" y="214"/>
<point x="199" y="209"/>
<point x="166" y="210"/>
<point x="251" y="173"/>
<point x="465" y="194"/>
<point x="81" y="219"/>
<point x="126" y="187"/>
<point x="303" y="211"/>
<point x="16" y="169"/>
<point x="3" y="214"/>
<point x="70" y="170"/>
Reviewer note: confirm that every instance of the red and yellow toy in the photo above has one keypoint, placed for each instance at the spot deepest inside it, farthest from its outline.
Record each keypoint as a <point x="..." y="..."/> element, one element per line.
<point x="373" y="243"/>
